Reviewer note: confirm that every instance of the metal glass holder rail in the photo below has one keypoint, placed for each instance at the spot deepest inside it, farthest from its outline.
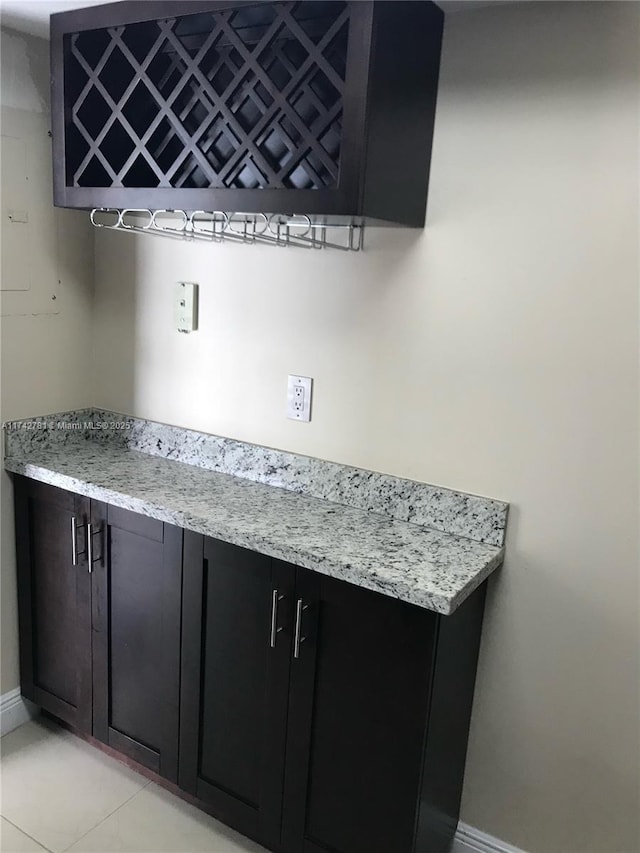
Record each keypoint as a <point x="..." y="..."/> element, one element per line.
<point x="220" y="227"/>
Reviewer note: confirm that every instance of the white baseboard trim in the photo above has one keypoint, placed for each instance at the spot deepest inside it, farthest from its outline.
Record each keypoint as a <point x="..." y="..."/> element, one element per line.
<point x="14" y="711"/>
<point x="468" y="839"/>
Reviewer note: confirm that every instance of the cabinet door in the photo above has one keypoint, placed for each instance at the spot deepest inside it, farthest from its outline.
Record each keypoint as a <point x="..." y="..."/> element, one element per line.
<point x="54" y="588"/>
<point x="359" y="699"/>
<point x="235" y="669"/>
<point x="137" y="577"/>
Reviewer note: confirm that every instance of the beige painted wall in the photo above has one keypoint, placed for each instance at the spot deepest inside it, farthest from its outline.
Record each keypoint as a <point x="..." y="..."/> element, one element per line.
<point x="497" y="352"/>
<point x="45" y="343"/>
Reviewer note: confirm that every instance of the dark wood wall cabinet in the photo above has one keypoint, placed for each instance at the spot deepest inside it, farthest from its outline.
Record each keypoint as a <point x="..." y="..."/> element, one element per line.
<point x="309" y="714"/>
<point x="316" y="107"/>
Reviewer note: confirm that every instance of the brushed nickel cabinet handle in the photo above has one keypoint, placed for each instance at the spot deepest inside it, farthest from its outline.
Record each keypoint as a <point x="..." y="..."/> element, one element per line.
<point x="90" y="557"/>
<point x="275" y="598"/>
<point x="74" y="540"/>
<point x="298" y="638"/>
<point x="90" y="546"/>
<point x="75" y="553"/>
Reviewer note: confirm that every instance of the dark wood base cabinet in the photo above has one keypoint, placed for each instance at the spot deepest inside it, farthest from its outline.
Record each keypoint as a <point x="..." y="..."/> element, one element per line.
<point x="100" y="609"/>
<point x="311" y="715"/>
<point x="54" y="600"/>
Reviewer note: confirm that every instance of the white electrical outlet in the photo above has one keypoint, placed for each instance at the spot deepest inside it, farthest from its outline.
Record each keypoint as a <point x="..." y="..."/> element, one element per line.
<point x="186" y="306"/>
<point x="299" y="398"/>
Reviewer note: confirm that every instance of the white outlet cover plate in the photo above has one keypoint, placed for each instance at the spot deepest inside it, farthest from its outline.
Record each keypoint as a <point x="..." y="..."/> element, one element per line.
<point x="186" y="306"/>
<point x="299" y="397"/>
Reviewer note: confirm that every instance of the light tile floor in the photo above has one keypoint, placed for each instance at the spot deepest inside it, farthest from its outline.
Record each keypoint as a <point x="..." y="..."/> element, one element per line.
<point x="57" y="793"/>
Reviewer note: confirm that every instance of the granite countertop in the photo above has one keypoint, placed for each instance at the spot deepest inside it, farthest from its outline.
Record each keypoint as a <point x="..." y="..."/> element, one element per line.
<point x="431" y="568"/>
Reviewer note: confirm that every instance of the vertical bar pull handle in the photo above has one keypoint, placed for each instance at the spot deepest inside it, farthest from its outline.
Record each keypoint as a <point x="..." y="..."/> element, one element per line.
<point x="75" y="553"/>
<point x="90" y="546"/>
<point x="275" y="598"/>
<point x="91" y="559"/>
<point x="298" y="638"/>
<point x="74" y="540"/>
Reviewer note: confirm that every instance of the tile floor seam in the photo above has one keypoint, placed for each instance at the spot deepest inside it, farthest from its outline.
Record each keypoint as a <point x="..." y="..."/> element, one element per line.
<point x="20" y="829"/>
<point x="66" y="809"/>
<point x="106" y="817"/>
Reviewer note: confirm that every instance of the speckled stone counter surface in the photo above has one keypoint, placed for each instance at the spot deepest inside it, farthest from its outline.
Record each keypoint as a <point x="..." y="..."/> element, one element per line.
<point x="419" y="543"/>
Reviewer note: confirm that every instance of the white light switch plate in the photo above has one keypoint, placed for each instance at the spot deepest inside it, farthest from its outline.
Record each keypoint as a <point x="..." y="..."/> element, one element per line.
<point x="186" y="306"/>
<point x="299" y="398"/>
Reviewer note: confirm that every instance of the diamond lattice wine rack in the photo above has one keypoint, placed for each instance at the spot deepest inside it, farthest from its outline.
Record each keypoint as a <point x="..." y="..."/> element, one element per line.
<point x="320" y="108"/>
<point x="248" y="98"/>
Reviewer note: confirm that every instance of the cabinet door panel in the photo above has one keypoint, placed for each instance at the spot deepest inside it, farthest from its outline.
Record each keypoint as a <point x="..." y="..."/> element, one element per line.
<point x="54" y="601"/>
<point x="137" y="627"/>
<point x="358" y="711"/>
<point x="235" y="684"/>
